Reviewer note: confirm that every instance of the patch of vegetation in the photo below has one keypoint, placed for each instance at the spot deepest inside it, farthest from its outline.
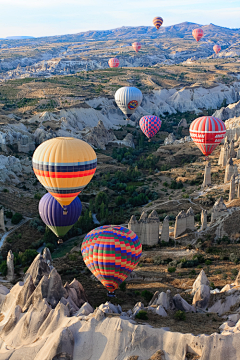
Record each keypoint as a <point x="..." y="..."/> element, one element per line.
<point x="142" y="315"/>
<point x="180" y="315"/>
<point x="16" y="218"/>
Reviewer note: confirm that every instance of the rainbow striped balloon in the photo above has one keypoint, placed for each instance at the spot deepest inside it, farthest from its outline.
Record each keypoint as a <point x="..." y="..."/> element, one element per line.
<point x="111" y="252"/>
<point x="207" y="132"/>
<point x="157" y="22"/>
<point x="64" y="166"/>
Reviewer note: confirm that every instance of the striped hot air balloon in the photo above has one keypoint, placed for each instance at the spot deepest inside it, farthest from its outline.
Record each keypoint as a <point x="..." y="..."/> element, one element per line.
<point x="136" y="46"/>
<point x="111" y="253"/>
<point x="64" y="166"/>
<point x="150" y="125"/>
<point x="157" y="22"/>
<point x="52" y="214"/>
<point x="113" y="63"/>
<point x="128" y="99"/>
<point x="217" y="49"/>
<point x="197" y="34"/>
<point x="207" y="132"/>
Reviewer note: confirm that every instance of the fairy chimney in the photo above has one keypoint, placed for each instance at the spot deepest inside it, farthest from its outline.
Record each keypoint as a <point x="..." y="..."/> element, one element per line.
<point x="207" y="175"/>
<point x="219" y="209"/>
<point x="165" y="230"/>
<point x="232" y="188"/>
<point x="229" y="170"/>
<point x="204" y="219"/>
<point x="190" y="224"/>
<point x="180" y="224"/>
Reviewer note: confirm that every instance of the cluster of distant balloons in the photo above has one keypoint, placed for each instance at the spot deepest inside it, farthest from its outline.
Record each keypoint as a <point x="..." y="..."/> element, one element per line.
<point x="157" y="22"/>
<point x="65" y="165"/>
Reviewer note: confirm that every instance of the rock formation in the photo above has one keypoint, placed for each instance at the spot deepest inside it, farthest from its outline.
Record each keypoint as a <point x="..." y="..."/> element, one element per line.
<point x="203" y="219"/>
<point x="219" y="209"/>
<point x="224" y="155"/>
<point x="183" y="123"/>
<point x="232" y="188"/>
<point x="147" y="228"/>
<point x="128" y="141"/>
<point x="10" y="266"/>
<point x="202" y="297"/>
<point x="190" y="222"/>
<point x="2" y="223"/>
<point x="232" y="152"/>
<point x="180" y="224"/>
<point x="238" y="190"/>
<point x="165" y="230"/>
<point x="238" y="153"/>
<point x="207" y="175"/>
<point x="183" y="222"/>
<point x="229" y="170"/>
<point x="200" y="280"/>
<point x="99" y="136"/>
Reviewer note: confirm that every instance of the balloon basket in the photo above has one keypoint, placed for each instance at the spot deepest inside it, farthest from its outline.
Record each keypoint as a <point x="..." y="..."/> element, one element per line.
<point x="65" y="212"/>
<point x="149" y="140"/>
<point x="111" y="294"/>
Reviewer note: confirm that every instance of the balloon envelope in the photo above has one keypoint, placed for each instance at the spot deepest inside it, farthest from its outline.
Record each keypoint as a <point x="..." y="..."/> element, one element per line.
<point x="136" y="46"/>
<point x="111" y="253"/>
<point x="113" y="62"/>
<point x="128" y="99"/>
<point x="207" y="132"/>
<point x="150" y="125"/>
<point x="197" y="34"/>
<point x="157" y="22"/>
<point x="51" y="214"/>
<point x="217" y="48"/>
<point x="64" y="166"/>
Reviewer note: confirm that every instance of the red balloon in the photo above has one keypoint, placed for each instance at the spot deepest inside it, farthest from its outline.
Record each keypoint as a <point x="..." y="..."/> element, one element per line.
<point x="207" y="132"/>
<point x="150" y="125"/>
<point x="197" y="34"/>
<point x="113" y="62"/>
<point x="217" y="48"/>
<point x="136" y="46"/>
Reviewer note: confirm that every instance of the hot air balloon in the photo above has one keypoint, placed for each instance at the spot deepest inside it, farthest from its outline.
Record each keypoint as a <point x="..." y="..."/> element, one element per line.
<point x="207" y="132"/>
<point x="113" y="62"/>
<point x="111" y="253"/>
<point x="150" y="125"/>
<point x="136" y="46"/>
<point x="157" y="22"/>
<point x="128" y="99"/>
<point x="197" y="34"/>
<point x="64" y="166"/>
<point x="52" y="214"/>
<point x="217" y="49"/>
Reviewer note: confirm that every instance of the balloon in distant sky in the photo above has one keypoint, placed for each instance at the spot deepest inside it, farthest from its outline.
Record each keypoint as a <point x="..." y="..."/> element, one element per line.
<point x="128" y="99"/>
<point x="207" y="132"/>
<point x="136" y="46"/>
<point x="217" y="48"/>
<point x="157" y="22"/>
<point x="113" y="62"/>
<point x="52" y="215"/>
<point x="64" y="166"/>
<point x="197" y="34"/>
<point x="150" y="125"/>
<point x="111" y="253"/>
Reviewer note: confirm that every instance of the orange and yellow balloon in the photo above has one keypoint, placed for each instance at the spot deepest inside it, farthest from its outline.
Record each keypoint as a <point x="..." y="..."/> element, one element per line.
<point x="157" y="22"/>
<point x="64" y="166"/>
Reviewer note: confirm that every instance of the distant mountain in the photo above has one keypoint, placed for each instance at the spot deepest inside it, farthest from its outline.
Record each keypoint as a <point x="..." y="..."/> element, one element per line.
<point x="182" y="30"/>
<point x="19" y="37"/>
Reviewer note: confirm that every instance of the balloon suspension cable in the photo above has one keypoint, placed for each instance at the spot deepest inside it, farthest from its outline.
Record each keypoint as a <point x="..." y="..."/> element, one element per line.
<point x="111" y="294"/>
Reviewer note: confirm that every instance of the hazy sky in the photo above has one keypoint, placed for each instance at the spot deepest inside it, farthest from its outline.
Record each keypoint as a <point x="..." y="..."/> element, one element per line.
<point x="56" y="17"/>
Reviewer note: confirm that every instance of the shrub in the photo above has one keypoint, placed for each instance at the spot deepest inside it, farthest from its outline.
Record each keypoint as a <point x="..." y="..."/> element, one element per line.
<point x="180" y="315"/>
<point x="123" y="286"/>
<point x="171" y="269"/>
<point x="9" y="214"/>
<point x="37" y="196"/>
<point x="16" y="218"/>
<point x="50" y="246"/>
<point x="208" y="262"/>
<point x="142" y="315"/>
<point x="212" y="285"/>
<point x="27" y="257"/>
<point x="233" y="258"/>
<point x="137" y="293"/>
<point x="25" y="269"/>
<point x="234" y="272"/>
<point x="3" y="268"/>
<point x="147" y="295"/>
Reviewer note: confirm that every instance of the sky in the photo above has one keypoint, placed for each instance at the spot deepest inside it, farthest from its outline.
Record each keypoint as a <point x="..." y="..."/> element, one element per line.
<point x="58" y="17"/>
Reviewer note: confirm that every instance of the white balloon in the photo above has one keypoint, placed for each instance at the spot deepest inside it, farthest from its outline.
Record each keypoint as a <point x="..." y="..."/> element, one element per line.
<point x="128" y="99"/>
